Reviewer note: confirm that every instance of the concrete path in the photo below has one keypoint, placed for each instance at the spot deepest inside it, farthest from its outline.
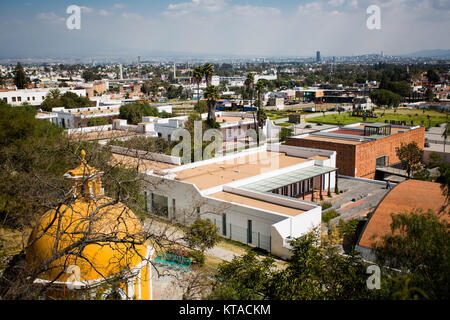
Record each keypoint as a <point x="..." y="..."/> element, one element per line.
<point x="359" y="198"/>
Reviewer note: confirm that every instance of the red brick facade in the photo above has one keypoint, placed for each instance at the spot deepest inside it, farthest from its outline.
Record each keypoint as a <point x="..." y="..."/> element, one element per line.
<point x="360" y="160"/>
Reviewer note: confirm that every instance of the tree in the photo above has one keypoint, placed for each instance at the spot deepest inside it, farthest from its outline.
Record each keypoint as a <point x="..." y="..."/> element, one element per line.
<point x="20" y="77"/>
<point x="211" y="95"/>
<point x="384" y="97"/>
<point x="202" y="235"/>
<point x="244" y="278"/>
<point x="429" y="95"/>
<point x="261" y="115"/>
<point x="132" y="112"/>
<point x="198" y="77"/>
<point x="411" y="156"/>
<point x="35" y="154"/>
<point x="208" y="72"/>
<point x="315" y="271"/>
<point x="433" y="76"/>
<point x="446" y="133"/>
<point x="90" y="75"/>
<point x="419" y="245"/>
<point x="68" y="100"/>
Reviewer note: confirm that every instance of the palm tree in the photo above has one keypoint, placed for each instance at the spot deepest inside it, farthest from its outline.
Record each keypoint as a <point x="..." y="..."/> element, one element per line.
<point x="446" y="133"/>
<point x="212" y="95"/>
<point x="260" y="89"/>
<point x="250" y="83"/>
<point x="208" y="72"/>
<point x="198" y="77"/>
<point x="54" y="94"/>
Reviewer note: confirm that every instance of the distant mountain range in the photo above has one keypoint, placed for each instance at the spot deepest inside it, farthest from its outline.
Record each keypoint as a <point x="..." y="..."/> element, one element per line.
<point x="430" y="53"/>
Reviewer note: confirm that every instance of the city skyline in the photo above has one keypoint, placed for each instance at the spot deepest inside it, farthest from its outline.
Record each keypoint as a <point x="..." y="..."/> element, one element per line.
<point x="224" y="27"/>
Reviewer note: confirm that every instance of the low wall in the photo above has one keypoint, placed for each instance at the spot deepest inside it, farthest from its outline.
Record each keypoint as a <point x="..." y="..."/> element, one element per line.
<point x="90" y="129"/>
<point x="146" y="155"/>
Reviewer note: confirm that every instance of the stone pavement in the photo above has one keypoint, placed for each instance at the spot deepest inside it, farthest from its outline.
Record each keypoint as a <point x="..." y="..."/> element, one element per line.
<point x="357" y="198"/>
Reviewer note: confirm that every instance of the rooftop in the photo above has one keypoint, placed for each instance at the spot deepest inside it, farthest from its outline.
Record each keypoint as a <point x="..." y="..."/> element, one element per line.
<point x="405" y="197"/>
<point x="219" y="173"/>
<point x="234" y="198"/>
<point x="288" y="178"/>
<point x="144" y="164"/>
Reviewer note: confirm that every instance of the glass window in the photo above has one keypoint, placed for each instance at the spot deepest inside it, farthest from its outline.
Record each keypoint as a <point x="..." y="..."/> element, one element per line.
<point x="381" y="162"/>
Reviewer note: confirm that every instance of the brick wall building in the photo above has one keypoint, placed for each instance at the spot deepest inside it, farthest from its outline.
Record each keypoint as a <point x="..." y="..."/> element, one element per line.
<point x="358" y="158"/>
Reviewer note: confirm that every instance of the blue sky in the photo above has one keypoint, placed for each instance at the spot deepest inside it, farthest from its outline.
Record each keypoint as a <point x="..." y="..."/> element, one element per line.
<point x="239" y="27"/>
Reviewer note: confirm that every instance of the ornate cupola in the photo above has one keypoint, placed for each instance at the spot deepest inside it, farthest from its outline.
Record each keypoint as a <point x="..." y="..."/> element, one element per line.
<point x="86" y="180"/>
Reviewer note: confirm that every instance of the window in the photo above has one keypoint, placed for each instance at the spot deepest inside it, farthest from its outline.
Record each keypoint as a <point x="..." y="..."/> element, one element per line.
<point x="224" y="224"/>
<point x="19" y="99"/>
<point x="5" y="99"/>
<point x="34" y="98"/>
<point x="381" y="162"/>
<point x="14" y="99"/>
<point x="160" y="205"/>
<point x="249" y="231"/>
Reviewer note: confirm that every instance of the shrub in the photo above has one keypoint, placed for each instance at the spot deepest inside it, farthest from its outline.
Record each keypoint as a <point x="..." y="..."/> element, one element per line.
<point x="198" y="257"/>
<point x="326" y="205"/>
<point x="327" y="216"/>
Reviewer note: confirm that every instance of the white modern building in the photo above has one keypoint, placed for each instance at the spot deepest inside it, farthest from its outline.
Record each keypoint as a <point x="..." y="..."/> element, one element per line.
<point x="34" y="97"/>
<point x="255" y="196"/>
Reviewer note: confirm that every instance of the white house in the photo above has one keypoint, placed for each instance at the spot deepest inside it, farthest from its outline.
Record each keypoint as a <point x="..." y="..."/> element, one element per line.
<point x="254" y="196"/>
<point x="34" y="97"/>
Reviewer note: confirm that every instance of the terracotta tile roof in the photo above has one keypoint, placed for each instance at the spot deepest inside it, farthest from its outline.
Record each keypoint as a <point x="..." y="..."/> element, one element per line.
<point x="405" y="197"/>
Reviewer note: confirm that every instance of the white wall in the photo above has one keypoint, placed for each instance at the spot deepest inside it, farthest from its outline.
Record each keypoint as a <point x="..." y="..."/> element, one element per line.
<point x="34" y="97"/>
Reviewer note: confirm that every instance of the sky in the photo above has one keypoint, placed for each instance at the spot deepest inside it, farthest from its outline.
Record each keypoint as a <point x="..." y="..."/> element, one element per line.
<point x="222" y="27"/>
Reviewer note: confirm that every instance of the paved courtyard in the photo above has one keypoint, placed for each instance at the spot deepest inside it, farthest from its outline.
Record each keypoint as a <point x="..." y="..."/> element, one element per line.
<point x="357" y="198"/>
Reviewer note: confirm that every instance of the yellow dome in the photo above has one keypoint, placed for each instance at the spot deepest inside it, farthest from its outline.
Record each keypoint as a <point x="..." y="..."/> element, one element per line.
<point x="111" y="231"/>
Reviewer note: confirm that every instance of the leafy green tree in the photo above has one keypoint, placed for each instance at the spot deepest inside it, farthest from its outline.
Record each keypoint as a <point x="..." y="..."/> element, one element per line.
<point x="411" y="156"/>
<point x="384" y="97"/>
<point x="419" y="246"/>
<point x="132" y="112"/>
<point x="429" y="95"/>
<point x="20" y="77"/>
<point x="433" y="76"/>
<point x="316" y="271"/>
<point x="90" y="75"/>
<point x="202" y="235"/>
<point x="244" y="278"/>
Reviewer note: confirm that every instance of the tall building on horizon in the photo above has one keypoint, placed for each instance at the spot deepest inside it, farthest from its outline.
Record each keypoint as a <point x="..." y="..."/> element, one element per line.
<point x="318" y="56"/>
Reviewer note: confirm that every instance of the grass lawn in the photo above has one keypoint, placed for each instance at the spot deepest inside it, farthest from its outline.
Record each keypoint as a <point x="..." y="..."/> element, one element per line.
<point x="417" y="116"/>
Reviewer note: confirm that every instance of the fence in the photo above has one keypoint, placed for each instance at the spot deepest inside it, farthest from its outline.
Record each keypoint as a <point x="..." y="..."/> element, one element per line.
<point x="234" y="232"/>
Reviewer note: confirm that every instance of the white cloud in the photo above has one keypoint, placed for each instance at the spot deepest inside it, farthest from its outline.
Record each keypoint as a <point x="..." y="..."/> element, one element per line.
<point x="119" y="6"/>
<point x="310" y="8"/>
<point x="353" y="3"/>
<point x="253" y="11"/>
<point x="190" y="7"/>
<point x="104" y="13"/>
<point x="132" y="16"/>
<point x="49" y="17"/>
<point x="336" y="3"/>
